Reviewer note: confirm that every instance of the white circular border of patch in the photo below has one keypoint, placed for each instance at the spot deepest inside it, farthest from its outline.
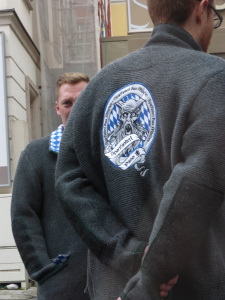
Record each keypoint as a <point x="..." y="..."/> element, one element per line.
<point x="141" y="92"/>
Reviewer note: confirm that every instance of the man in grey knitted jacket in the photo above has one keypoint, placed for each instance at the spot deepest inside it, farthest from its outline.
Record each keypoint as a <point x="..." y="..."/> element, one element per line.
<point x="146" y="165"/>
<point x="53" y="254"/>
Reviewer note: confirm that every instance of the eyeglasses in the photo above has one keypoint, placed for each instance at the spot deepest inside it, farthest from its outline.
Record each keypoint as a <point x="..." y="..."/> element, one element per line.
<point x="217" y="18"/>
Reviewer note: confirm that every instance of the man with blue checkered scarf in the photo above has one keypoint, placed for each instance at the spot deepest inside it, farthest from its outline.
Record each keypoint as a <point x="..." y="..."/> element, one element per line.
<point x="52" y="252"/>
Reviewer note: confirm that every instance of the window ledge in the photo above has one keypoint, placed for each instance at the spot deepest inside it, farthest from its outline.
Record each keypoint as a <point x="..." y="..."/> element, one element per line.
<point x="29" y="4"/>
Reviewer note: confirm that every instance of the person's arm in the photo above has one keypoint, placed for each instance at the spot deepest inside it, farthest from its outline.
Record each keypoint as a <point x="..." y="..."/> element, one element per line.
<point x="87" y="208"/>
<point x="192" y="196"/>
<point x="26" y="210"/>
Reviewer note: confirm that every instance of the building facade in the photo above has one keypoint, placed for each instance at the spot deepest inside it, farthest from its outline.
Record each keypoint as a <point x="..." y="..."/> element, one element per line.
<point x="22" y="76"/>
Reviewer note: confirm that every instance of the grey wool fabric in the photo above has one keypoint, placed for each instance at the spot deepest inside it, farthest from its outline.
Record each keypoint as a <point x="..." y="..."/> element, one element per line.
<point x="142" y="162"/>
<point x="41" y="230"/>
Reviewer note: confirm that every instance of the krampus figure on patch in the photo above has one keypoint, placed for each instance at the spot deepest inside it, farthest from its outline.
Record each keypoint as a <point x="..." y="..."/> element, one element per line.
<point x="129" y="114"/>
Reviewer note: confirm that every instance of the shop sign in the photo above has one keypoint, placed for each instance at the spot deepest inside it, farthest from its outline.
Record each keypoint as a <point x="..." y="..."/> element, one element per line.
<point x="220" y="4"/>
<point x="138" y="17"/>
<point x="4" y="137"/>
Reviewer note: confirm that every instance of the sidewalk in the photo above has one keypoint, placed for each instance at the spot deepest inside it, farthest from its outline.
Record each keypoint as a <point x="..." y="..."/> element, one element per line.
<point x="31" y="293"/>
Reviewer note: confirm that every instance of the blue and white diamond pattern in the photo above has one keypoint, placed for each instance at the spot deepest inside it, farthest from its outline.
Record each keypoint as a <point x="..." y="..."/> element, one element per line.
<point x="55" y="139"/>
<point x="114" y="119"/>
<point x="144" y="119"/>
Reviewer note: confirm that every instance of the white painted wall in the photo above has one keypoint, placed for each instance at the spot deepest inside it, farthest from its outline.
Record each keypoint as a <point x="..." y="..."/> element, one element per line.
<point x="20" y="64"/>
<point x="22" y="11"/>
<point x="20" y="56"/>
<point x="11" y="267"/>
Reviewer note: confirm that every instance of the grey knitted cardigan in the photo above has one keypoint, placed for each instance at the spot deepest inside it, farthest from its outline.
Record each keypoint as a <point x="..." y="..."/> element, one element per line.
<point x="42" y="231"/>
<point x="168" y="191"/>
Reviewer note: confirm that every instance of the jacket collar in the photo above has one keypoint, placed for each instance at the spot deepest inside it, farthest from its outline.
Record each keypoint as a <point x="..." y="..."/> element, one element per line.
<point x="173" y="35"/>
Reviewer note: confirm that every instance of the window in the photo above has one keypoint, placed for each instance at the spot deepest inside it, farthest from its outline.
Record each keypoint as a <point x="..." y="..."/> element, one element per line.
<point x="33" y="105"/>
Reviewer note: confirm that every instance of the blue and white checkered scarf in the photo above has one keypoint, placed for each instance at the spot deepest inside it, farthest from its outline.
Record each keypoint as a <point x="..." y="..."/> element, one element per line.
<point x="55" y="139"/>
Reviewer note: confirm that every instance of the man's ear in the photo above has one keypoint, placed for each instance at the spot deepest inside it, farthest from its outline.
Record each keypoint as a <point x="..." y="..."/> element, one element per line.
<point x="200" y="8"/>
<point x="57" y="108"/>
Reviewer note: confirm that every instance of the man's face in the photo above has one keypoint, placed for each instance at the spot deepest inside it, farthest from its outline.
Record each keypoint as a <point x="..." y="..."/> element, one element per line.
<point x="207" y="28"/>
<point x="67" y="95"/>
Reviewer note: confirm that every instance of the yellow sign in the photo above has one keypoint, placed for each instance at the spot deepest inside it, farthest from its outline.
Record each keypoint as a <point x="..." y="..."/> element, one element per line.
<point x="138" y="17"/>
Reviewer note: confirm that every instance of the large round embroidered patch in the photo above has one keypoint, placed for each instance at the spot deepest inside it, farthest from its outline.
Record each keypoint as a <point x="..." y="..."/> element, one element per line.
<point x="129" y="125"/>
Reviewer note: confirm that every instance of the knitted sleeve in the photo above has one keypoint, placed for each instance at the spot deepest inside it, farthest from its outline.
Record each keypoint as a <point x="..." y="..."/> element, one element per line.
<point x="26" y="210"/>
<point x="87" y="207"/>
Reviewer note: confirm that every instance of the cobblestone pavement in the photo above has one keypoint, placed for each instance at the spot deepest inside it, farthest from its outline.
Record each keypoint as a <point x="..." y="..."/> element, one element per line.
<point x="31" y="293"/>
